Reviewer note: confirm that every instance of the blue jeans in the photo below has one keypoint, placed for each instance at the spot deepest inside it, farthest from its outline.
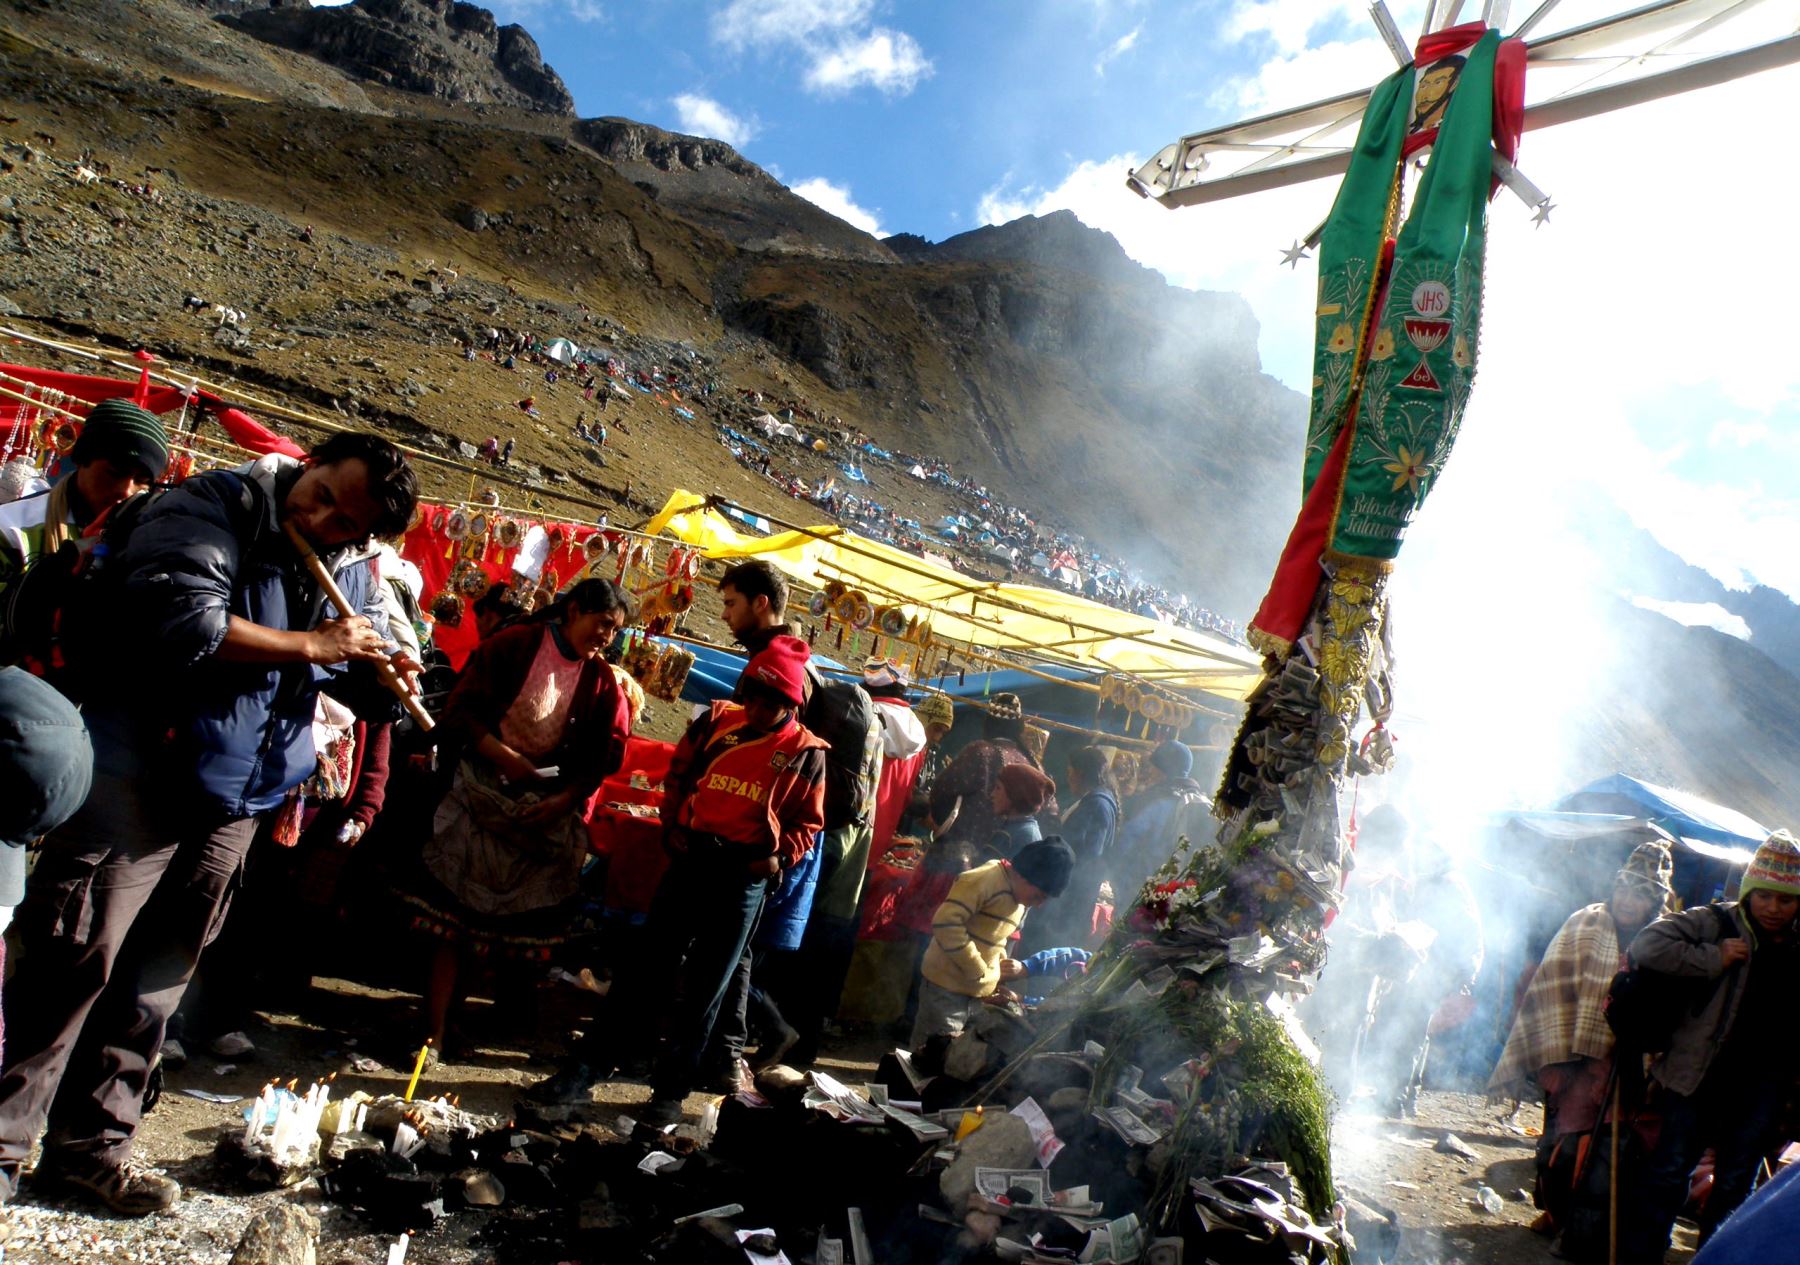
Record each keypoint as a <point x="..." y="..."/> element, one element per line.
<point x="703" y="914"/>
<point x="1738" y="1118"/>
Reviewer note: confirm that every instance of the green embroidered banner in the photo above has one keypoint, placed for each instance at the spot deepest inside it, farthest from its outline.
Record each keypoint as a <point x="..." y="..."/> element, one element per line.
<point x="1349" y="260"/>
<point x="1409" y="383"/>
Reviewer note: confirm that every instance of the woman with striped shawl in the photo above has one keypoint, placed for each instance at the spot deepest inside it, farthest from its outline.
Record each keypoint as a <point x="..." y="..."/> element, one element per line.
<point x="1561" y="1043"/>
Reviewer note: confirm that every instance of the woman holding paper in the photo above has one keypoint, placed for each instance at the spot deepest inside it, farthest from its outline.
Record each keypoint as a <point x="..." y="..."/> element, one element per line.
<point x="542" y="720"/>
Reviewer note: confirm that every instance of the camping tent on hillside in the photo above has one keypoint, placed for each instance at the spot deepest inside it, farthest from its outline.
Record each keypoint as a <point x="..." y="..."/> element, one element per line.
<point x="562" y="351"/>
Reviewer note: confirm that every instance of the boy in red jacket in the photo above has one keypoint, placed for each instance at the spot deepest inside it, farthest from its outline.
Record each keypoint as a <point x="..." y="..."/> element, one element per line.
<point x="746" y="799"/>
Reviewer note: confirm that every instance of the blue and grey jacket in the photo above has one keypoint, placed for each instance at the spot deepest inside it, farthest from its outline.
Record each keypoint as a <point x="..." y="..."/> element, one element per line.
<point x="205" y="551"/>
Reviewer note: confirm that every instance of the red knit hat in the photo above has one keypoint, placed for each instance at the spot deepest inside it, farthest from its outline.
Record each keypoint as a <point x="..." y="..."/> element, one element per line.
<point x="780" y="667"/>
<point x="1026" y="788"/>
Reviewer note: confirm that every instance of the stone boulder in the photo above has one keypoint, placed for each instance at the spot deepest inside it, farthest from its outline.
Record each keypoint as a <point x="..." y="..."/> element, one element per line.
<point x="282" y="1235"/>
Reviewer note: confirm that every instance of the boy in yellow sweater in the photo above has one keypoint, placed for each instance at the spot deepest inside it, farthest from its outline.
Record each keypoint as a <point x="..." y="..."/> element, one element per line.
<point x="966" y="963"/>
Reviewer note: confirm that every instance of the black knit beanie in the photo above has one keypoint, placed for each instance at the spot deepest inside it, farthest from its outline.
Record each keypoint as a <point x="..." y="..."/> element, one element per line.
<point x="119" y="431"/>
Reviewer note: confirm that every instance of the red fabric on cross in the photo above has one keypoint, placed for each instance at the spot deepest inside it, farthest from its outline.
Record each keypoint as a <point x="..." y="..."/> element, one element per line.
<point x="1509" y="87"/>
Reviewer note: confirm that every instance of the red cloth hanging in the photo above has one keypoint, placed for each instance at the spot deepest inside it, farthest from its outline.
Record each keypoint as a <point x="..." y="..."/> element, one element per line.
<point x="247" y="433"/>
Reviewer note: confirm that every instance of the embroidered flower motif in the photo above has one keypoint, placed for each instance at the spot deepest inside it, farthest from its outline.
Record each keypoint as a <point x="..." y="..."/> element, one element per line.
<point x="1343" y="338"/>
<point x="1459" y="353"/>
<point x="1384" y="345"/>
<point x="1408" y="468"/>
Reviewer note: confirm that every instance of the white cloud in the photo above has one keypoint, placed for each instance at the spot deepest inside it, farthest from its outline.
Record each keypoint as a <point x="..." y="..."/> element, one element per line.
<point x="762" y="23"/>
<point x="1698" y="615"/>
<point x="1737" y="434"/>
<point x="1118" y="48"/>
<point x="702" y="116"/>
<point x="1287" y="23"/>
<point x="842" y="47"/>
<point x="836" y="199"/>
<point x="890" y="61"/>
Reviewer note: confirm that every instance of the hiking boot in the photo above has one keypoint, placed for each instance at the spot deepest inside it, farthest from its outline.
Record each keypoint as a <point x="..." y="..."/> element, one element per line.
<point x="128" y="1189"/>
<point x="774" y="1048"/>
<point x="570" y="1087"/>
<point x="737" y="1079"/>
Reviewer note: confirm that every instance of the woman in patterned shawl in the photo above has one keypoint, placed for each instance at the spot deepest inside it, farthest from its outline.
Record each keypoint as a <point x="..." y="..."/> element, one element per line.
<point x="1561" y="1042"/>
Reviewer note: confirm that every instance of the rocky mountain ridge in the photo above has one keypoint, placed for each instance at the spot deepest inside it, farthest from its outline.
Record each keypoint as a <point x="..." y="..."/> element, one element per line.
<point x="440" y="48"/>
<point x="709" y="182"/>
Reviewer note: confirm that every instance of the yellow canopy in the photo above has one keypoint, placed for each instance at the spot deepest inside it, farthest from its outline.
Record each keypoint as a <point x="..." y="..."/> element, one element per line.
<point x="1025" y="617"/>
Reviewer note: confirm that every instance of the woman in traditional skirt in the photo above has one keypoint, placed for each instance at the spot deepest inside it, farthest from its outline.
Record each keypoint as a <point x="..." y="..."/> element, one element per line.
<point x="541" y="720"/>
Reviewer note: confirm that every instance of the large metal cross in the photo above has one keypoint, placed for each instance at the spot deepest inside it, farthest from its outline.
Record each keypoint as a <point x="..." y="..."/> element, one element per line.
<point x="1634" y="57"/>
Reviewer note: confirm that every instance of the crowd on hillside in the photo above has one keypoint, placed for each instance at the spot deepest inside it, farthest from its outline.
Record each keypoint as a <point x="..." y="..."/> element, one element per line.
<point x="242" y="769"/>
<point x="1002" y="539"/>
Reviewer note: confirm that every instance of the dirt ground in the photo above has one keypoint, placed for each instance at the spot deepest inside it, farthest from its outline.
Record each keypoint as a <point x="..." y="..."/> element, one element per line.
<point x="343" y="1023"/>
<point x="1394" y="1166"/>
<point x="1389" y="1165"/>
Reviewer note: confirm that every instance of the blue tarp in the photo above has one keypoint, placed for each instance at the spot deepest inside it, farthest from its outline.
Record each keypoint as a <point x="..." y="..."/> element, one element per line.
<point x="715" y="675"/>
<point x="715" y="672"/>
<point x="1677" y="812"/>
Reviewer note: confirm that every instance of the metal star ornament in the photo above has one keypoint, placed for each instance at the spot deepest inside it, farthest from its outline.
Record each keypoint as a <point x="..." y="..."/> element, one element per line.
<point x="1542" y="217"/>
<point x="1294" y="254"/>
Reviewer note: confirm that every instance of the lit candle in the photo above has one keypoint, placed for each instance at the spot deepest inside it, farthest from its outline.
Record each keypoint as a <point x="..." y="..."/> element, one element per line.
<point x="418" y="1070"/>
<point x="253" y="1125"/>
<point x="397" y="1251"/>
<point x="283" y="1121"/>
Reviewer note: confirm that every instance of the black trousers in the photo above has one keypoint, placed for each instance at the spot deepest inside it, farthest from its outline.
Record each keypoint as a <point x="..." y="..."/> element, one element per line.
<point x="125" y="897"/>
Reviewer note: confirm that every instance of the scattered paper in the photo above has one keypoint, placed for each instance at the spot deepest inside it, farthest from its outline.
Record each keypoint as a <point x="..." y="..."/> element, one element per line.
<point x="921" y="1128"/>
<point x="1049" y="1146"/>
<point x="1118" y="1241"/>
<point x="993" y="1183"/>
<point x="1130" y="1126"/>
<point x="904" y="1059"/>
<point x="839" y="1101"/>
<point x="656" y="1161"/>
<point x="1252" y="951"/>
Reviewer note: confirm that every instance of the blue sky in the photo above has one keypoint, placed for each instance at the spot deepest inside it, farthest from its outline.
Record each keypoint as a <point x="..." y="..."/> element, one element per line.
<point x="914" y="111"/>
